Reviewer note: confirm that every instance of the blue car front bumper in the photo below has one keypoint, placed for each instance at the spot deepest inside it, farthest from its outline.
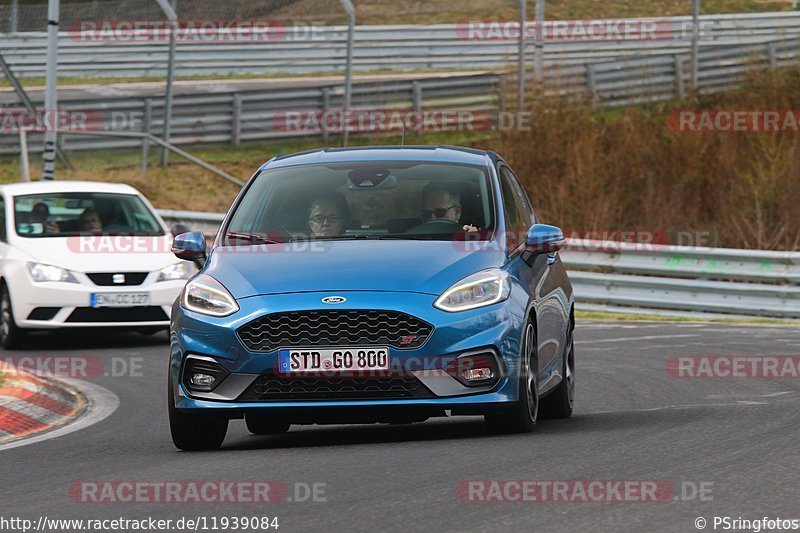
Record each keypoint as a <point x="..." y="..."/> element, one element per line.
<point x="496" y="328"/>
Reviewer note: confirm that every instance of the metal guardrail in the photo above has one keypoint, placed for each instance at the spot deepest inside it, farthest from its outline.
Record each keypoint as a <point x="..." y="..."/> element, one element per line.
<point x="681" y="280"/>
<point x="322" y="49"/>
<point x="250" y="115"/>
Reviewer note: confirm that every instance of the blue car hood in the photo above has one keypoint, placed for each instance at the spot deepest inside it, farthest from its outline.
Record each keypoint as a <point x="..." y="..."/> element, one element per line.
<point x="364" y="265"/>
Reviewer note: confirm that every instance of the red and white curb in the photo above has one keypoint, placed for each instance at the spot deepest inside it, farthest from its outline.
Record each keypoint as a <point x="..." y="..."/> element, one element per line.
<point x="31" y="404"/>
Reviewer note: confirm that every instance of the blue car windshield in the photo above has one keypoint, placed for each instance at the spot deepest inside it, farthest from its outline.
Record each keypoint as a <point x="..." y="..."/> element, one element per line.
<point x="404" y="200"/>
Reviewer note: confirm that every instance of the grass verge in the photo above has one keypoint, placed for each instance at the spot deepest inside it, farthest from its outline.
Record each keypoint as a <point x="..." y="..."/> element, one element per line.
<point x="632" y="317"/>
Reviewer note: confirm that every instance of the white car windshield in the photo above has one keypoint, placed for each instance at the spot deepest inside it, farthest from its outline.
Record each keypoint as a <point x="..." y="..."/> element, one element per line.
<point x="69" y="213"/>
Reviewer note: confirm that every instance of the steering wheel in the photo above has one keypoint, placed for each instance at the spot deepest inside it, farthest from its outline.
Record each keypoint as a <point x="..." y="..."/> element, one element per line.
<point x="441" y="225"/>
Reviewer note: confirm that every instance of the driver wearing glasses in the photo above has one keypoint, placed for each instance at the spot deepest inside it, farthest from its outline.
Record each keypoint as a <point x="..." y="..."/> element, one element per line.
<point x="440" y="202"/>
<point x="328" y="214"/>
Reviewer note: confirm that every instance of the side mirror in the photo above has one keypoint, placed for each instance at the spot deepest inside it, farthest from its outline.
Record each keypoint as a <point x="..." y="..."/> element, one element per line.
<point x="544" y="239"/>
<point x="191" y="247"/>
<point x="179" y="228"/>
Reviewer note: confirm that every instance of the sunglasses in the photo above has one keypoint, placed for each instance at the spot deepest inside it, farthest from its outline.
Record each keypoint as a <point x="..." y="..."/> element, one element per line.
<point x="320" y="219"/>
<point x="439" y="212"/>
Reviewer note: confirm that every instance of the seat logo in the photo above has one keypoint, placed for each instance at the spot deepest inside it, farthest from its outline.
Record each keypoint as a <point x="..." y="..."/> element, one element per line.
<point x="334" y="300"/>
<point x="118" y="278"/>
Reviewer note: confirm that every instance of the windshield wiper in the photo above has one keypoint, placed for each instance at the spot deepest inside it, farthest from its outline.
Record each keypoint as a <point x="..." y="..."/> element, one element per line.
<point x="411" y="237"/>
<point x="253" y="238"/>
<point x="330" y="238"/>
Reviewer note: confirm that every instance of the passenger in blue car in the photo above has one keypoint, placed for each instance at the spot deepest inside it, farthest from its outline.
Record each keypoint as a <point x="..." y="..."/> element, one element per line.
<point x="328" y="215"/>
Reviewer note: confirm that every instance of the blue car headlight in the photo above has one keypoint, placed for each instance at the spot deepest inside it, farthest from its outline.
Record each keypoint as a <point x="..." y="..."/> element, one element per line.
<point x="207" y="296"/>
<point x="477" y="290"/>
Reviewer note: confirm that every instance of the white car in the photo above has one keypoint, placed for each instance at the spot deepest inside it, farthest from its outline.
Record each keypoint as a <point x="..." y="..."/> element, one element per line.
<point x="84" y="255"/>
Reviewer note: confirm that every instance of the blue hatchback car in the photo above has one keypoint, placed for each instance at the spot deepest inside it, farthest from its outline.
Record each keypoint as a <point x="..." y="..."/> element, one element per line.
<point x="373" y="285"/>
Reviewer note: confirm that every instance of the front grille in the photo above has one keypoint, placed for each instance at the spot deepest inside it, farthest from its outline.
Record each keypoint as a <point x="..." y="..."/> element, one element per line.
<point x="334" y="328"/>
<point x="151" y="313"/>
<point x="106" y="279"/>
<point x="277" y="388"/>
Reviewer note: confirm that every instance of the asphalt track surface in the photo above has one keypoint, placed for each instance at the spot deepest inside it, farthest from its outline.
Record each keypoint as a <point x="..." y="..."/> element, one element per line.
<point x="737" y="439"/>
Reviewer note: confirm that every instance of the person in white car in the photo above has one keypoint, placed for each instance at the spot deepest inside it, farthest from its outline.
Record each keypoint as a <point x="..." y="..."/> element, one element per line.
<point x="83" y="255"/>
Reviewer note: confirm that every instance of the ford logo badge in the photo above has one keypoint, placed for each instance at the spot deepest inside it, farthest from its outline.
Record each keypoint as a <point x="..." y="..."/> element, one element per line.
<point x="334" y="300"/>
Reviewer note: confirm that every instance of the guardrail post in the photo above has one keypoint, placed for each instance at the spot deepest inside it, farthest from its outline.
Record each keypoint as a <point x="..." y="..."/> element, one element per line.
<point x="695" y="44"/>
<point x="326" y="107"/>
<point x="12" y="23"/>
<point x="681" y="84"/>
<point x="416" y="97"/>
<point x="538" y="60"/>
<point x="51" y="92"/>
<point x="591" y="82"/>
<point x="168" y="7"/>
<point x="146" y="120"/>
<point x="773" y="55"/>
<point x="236" y="120"/>
<point x="348" y="76"/>
<point x="24" y="161"/>
<point x="523" y="10"/>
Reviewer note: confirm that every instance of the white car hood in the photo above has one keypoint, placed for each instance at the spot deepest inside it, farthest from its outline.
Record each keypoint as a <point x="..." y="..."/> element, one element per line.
<point x="100" y="254"/>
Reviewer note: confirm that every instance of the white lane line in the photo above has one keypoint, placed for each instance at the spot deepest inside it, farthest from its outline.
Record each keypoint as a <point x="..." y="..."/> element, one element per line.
<point x="101" y="404"/>
<point x="647" y="338"/>
<point x="679" y="407"/>
<point x="736" y="403"/>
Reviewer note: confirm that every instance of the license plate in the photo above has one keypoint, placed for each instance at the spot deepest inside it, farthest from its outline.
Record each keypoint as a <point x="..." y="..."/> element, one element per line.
<point x="120" y="299"/>
<point x="299" y="360"/>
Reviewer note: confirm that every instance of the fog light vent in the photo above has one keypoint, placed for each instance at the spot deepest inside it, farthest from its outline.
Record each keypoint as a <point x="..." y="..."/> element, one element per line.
<point x="476" y="369"/>
<point x="203" y="380"/>
<point x="202" y="375"/>
<point x="478" y="374"/>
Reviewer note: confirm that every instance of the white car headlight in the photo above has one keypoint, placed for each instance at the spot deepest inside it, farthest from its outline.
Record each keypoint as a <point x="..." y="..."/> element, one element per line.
<point x="207" y="296"/>
<point x="478" y="290"/>
<point x="180" y="270"/>
<point x="40" y="272"/>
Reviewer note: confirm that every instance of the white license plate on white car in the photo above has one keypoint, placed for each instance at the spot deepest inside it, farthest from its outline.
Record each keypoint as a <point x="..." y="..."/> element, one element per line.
<point x="304" y="360"/>
<point x="120" y="299"/>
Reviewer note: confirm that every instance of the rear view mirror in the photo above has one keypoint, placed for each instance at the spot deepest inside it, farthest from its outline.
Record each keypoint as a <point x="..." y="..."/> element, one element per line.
<point x="544" y="239"/>
<point x="190" y="246"/>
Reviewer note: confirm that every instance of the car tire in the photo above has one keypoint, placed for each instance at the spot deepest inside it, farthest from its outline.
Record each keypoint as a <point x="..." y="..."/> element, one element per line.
<point x="266" y="425"/>
<point x="11" y="335"/>
<point x="559" y="403"/>
<point x="194" y="432"/>
<point x="521" y="417"/>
